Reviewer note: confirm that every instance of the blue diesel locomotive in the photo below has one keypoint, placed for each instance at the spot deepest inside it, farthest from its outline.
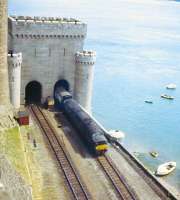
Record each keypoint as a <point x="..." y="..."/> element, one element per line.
<point x="91" y="133"/>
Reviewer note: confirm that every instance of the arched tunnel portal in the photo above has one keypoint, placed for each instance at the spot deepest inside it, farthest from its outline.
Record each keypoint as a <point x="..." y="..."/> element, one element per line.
<point x="33" y="92"/>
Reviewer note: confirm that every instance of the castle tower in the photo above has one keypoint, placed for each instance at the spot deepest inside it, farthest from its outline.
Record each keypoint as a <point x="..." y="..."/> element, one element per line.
<point x="14" y="64"/>
<point x="48" y="46"/>
<point x="4" y="92"/>
<point x="84" y="78"/>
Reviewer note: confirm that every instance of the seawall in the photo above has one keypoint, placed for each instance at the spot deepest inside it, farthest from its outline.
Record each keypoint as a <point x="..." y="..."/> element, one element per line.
<point x="138" y="166"/>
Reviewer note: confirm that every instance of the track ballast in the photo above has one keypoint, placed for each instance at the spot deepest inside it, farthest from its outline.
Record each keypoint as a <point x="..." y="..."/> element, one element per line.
<point x="123" y="190"/>
<point x="72" y="178"/>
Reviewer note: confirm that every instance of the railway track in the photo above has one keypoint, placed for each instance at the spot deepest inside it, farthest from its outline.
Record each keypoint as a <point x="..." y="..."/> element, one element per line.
<point x="123" y="190"/>
<point x="72" y="178"/>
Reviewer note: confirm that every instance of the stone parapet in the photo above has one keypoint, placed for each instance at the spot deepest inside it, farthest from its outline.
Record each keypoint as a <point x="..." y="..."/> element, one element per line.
<point x="45" y="19"/>
<point x="46" y="27"/>
<point x="86" y="57"/>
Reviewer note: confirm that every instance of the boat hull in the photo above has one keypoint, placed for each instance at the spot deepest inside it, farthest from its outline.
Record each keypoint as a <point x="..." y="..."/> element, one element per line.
<point x="167" y="97"/>
<point x="165" y="169"/>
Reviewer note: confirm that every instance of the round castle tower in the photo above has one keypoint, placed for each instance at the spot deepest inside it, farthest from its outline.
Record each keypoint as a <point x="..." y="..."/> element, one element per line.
<point x="14" y="63"/>
<point x="4" y="92"/>
<point x="85" y="61"/>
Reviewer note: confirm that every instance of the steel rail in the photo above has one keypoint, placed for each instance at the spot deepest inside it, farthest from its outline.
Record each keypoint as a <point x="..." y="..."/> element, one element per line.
<point x="124" y="191"/>
<point x="77" y="188"/>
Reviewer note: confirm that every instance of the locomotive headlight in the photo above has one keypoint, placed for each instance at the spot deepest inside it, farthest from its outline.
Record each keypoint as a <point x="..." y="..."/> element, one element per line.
<point x="102" y="147"/>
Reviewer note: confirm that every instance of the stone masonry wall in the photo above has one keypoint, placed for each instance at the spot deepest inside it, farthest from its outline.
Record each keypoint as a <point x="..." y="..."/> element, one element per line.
<point x="12" y="181"/>
<point x="7" y="120"/>
<point x="4" y="92"/>
<point x="48" y="49"/>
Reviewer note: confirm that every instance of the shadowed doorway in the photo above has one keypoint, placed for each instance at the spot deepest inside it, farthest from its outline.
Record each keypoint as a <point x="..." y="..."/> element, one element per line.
<point x="33" y="92"/>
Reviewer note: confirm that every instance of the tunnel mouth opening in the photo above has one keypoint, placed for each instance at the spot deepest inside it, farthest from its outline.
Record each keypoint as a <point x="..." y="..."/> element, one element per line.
<point x="33" y="92"/>
<point x="60" y="83"/>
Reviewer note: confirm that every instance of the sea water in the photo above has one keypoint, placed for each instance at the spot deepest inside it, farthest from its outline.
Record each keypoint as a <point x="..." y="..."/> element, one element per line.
<point x="138" y="54"/>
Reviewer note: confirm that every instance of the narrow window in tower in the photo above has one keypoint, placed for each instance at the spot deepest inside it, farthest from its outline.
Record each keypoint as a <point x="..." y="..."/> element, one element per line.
<point x="64" y="51"/>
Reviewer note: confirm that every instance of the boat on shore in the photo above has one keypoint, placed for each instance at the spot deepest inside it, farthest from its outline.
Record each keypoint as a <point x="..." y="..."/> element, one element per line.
<point x="171" y="86"/>
<point x="165" y="96"/>
<point x="165" y="168"/>
<point x="115" y="135"/>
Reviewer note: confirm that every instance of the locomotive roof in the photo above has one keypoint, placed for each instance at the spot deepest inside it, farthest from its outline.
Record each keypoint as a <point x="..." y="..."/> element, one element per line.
<point x="98" y="137"/>
<point x="91" y="125"/>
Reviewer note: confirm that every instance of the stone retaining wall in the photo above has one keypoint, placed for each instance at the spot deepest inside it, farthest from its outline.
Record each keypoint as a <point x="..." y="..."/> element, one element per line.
<point x="7" y="120"/>
<point x="13" y="182"/>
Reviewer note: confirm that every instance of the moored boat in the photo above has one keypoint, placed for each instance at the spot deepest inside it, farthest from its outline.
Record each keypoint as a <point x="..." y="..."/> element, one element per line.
<point x="165" y="96"/>
<point x="154" y="154"/>
<point x="148" y="101"/>
<point x="165" y="168"/>
<point x="115" y="135"/>
<point x="171" y="86"/>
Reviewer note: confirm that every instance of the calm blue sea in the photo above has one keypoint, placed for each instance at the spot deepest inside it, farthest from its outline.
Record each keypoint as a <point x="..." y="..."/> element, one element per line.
<point x="138" y="53"/>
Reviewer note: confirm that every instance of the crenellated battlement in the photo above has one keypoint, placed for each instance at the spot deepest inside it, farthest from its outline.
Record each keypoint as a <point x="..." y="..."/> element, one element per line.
<point x="15" y="59"/>
<point x="29" y="19"/>
<point x="86" y="57"/>
<point x="24" y="27"/>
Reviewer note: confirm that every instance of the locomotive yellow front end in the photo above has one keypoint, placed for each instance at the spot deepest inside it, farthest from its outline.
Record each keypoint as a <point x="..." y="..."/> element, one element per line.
<point x="101" y="148"/>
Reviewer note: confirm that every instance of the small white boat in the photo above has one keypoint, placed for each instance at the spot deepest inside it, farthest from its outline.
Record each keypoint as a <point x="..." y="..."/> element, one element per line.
<point x="115" y="135"/>
<point x="165" y="168"/>
<point x="154" y="154"/>
<point x="171" y="86"/>
<point x="165" y="96"/>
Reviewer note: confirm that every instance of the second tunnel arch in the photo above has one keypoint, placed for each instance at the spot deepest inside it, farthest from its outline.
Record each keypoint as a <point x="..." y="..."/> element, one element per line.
<point x="62" y="83"/>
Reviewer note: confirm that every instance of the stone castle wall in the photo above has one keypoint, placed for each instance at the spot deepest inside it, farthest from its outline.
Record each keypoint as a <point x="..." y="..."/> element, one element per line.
<point x="52" y="50"/>
<point x="48" y="48"/>
<point x="4" y="92"/>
